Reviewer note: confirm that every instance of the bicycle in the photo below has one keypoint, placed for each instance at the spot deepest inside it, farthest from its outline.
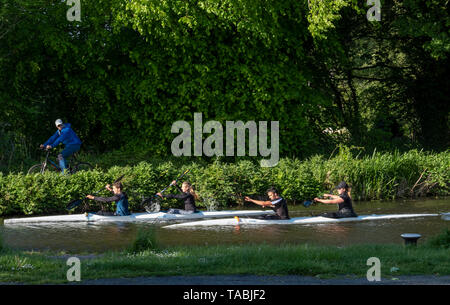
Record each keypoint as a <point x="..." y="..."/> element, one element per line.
<point x="48" y="165"/>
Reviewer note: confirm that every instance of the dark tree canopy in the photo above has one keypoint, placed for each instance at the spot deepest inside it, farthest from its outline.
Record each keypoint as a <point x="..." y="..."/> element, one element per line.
<point x="129" y="69"/>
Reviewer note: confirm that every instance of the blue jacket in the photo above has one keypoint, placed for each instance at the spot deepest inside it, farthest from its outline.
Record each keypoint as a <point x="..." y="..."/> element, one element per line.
<point x="122" y="206"/>
<point x="121" y="203"/>
<point x="66" y="136"/>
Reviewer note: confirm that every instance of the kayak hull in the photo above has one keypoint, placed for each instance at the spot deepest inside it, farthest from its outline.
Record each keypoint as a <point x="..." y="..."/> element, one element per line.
<point x="296" y="220"/>
<point x="135" y="217"/>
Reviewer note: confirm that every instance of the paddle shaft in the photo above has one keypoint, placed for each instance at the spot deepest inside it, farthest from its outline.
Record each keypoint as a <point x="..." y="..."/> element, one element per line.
<point x="77" y="202"/>
<point x="156" y="196"/>
<point x="308" y="202"/>
<point x="181" y="176"/>
<point x="117" y="180"/>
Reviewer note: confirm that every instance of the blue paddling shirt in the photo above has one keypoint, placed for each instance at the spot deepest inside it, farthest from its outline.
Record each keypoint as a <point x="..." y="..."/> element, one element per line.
<point x="121" y="203"/>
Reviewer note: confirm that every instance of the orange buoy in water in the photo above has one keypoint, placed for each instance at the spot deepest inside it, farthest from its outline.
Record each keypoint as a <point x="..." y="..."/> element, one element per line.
<point x="237" y="227"/>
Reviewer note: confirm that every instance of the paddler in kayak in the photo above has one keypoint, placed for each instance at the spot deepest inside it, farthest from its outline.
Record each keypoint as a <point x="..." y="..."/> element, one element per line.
<point x="275" y="202"/>
<point x="344" y="202"/>
<point x="119" y="197"/>
<point x="187" y="194"/>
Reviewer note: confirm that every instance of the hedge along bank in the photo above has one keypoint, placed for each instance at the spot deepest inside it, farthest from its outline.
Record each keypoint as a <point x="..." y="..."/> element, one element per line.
<point x="379" y="176"/>
<point x="181" y="145"/>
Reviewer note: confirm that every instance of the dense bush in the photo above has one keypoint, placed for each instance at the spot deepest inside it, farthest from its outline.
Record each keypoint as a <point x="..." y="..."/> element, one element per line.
<point x="380" y="176"/>
<point x="441" y="240"/>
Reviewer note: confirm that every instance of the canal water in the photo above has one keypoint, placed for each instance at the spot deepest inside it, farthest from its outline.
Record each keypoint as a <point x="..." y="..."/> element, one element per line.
<point x="102" y="237"/>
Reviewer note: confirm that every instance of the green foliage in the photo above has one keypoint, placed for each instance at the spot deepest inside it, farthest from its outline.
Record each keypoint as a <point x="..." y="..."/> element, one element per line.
<point x="391" y="175"/>
<point x="323" y="15"/>
<point x="257" y="259"/>
<point x="387" y="78"/>
<point x="130" y="69"/>
<point x="15" y="150"/>
<point x="441" y="241"/>
<point x="378" y="176"/>
<point x="231" y="61"/>
<point x="2" y="247"/>
<point x="144" y="241"/>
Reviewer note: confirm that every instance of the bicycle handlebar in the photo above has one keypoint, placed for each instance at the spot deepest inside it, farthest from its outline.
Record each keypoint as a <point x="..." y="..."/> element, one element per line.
<point x="44" y="148"/>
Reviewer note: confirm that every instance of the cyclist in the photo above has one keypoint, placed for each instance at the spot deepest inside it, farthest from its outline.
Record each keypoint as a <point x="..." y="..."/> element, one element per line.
<point x="68" y="137"/>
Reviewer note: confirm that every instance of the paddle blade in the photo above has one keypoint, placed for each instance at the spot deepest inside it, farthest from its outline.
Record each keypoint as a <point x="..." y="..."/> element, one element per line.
<point x="73" y="204"/>
<point x="151" y="205"/>
<point x="307" y="203"/>
<point x="118" y="179"/>
<point x="182" y="175"/>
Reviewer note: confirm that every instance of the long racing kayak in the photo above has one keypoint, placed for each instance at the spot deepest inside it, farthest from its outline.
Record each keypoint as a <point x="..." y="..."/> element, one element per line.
<point x="91" y="217"/>
<point x="297" y="220"/>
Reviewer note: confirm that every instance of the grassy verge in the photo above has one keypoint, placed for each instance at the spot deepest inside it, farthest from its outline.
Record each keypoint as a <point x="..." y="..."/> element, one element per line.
<point x="431" y="258"/>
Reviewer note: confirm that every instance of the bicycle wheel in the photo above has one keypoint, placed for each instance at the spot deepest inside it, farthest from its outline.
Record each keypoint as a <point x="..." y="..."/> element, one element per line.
<point x="82" y="166"/>
<point x="35" y="169"/>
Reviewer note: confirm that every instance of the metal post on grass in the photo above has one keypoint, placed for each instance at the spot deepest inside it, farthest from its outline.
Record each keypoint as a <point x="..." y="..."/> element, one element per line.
<point x="410" y="238"/>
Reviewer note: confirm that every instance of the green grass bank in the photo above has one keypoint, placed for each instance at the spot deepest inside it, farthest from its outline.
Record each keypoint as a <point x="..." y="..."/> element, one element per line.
<point x="377" y="176"/>
<point x="145" y="258"/>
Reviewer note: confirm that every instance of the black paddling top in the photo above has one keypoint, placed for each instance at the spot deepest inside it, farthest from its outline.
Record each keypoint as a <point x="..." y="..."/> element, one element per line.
<point x="279" y="206"/>
<point x="347" y="204"/>
<point x="346" y="207"/>
<point x="188" y="198"/>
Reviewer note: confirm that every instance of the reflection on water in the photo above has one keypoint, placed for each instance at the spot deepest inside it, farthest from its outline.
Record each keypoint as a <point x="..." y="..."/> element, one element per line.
<point x="98" y="237"/>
